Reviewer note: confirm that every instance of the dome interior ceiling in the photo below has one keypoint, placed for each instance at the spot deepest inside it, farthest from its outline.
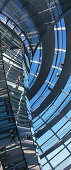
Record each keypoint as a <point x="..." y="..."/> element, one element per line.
<point x="43" y="29"/>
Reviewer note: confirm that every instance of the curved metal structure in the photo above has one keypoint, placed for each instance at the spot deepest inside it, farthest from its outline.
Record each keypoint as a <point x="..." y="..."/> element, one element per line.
<point x="35" y="52"/>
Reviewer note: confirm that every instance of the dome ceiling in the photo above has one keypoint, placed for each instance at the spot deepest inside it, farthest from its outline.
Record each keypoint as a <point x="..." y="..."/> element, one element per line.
<point x="44" y="29"/>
